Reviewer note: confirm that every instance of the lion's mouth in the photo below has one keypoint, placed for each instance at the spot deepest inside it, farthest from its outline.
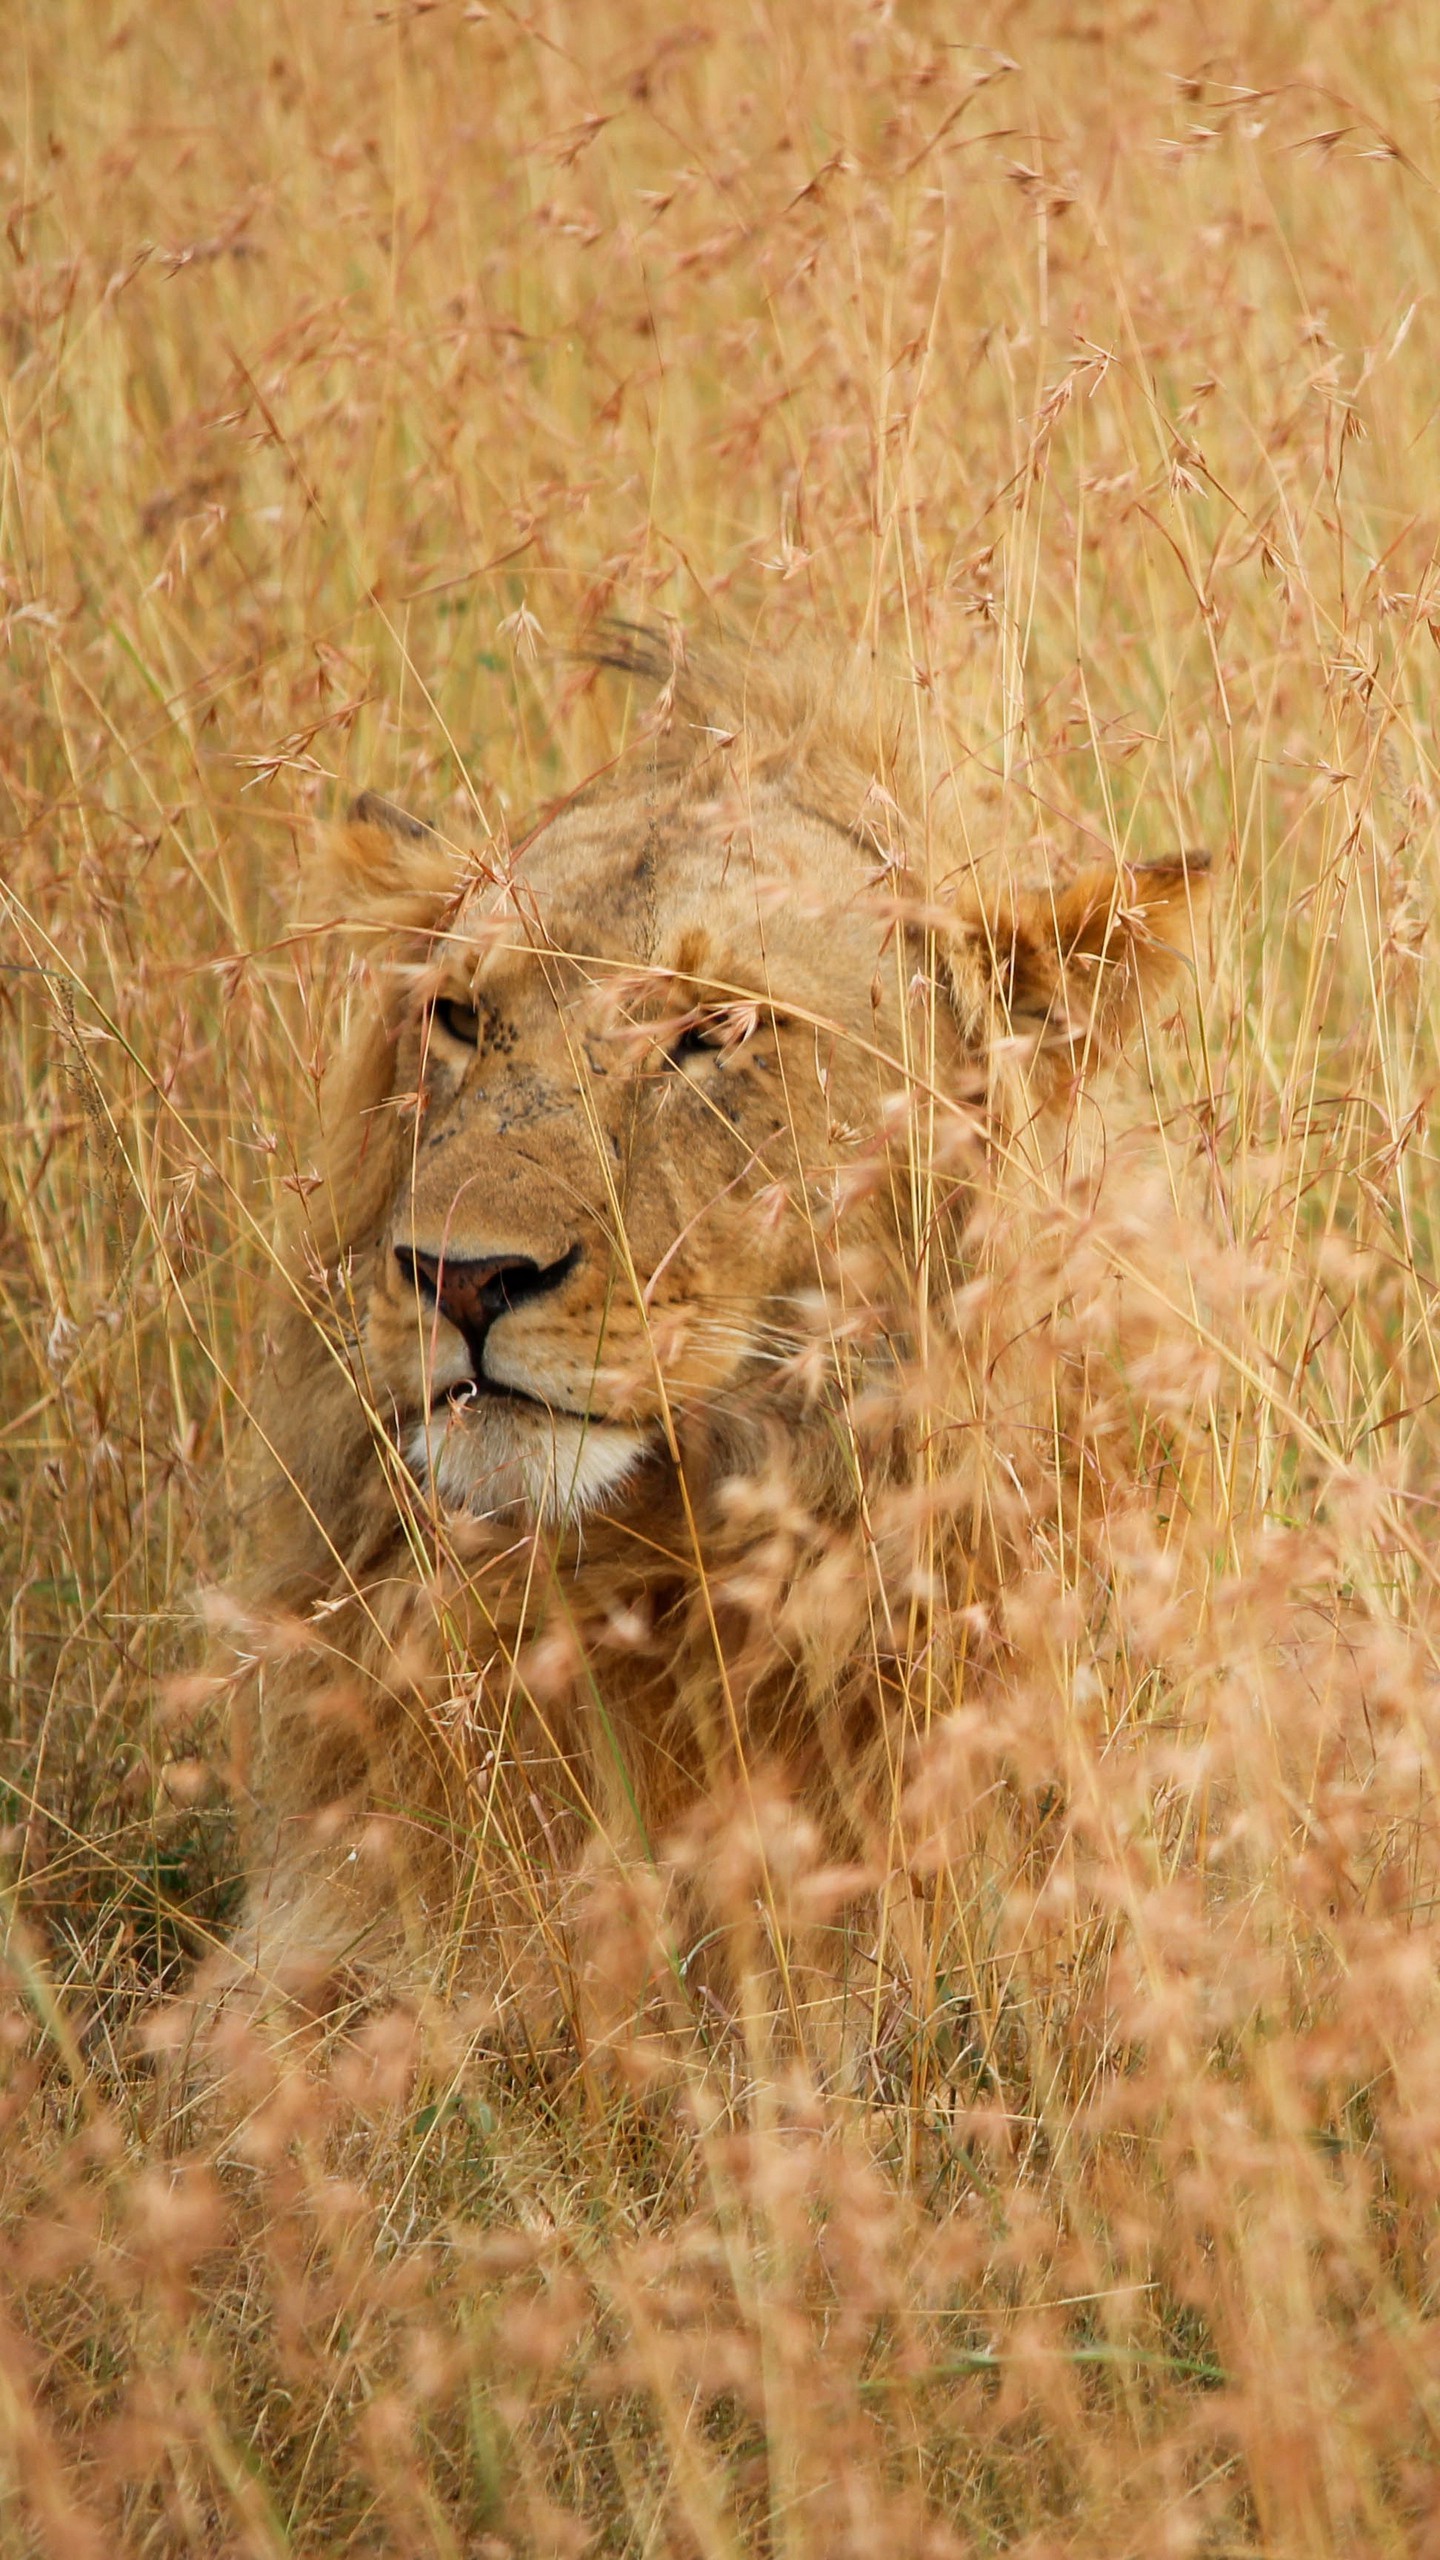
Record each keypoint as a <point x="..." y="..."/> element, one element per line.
<point x="466" y="1393"/>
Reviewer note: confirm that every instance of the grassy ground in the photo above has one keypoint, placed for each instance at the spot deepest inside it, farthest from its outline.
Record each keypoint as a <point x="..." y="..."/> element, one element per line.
<point x="351" y="355"/>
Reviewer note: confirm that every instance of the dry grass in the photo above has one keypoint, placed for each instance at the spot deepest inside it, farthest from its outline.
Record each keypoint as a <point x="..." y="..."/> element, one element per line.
<point x="350" y="355"/>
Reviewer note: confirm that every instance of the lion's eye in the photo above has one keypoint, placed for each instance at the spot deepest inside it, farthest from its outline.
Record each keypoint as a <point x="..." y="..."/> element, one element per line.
<point x="461" y="1021"/>
<point x="695" y="1038"/>
<point x="719" y="1027"/>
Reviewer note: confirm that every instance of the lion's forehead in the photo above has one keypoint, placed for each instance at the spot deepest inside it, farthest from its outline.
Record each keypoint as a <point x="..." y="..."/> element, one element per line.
<point x="765" y="900"/>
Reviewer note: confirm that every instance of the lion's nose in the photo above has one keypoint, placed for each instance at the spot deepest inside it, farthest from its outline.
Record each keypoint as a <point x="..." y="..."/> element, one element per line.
<point x="471" y="1295"/>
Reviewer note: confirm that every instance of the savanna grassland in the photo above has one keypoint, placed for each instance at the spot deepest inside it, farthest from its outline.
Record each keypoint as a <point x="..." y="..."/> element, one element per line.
<point x="1085" y="362"/>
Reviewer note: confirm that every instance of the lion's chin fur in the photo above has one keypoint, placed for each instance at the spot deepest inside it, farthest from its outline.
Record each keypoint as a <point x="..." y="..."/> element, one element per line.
<point x="498" y="1456"/>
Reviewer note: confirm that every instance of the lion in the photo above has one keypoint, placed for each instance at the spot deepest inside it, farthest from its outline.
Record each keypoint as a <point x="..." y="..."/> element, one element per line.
<point x="626" y="1436"/>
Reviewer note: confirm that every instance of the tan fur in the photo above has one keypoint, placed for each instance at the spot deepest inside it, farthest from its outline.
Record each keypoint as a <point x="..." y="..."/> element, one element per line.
<point x="749" y="1047"/>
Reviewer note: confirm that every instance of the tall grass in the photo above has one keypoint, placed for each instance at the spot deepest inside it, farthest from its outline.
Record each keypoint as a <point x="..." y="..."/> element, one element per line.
<point x="1087" y="365"/>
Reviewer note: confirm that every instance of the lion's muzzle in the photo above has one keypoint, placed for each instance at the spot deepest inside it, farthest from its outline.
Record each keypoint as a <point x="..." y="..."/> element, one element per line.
<point x="472" y="1295"/>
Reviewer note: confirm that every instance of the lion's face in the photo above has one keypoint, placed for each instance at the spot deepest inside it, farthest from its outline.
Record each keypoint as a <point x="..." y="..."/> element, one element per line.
<point x="637" y="1071"/>
<point x="640" y="1078"/>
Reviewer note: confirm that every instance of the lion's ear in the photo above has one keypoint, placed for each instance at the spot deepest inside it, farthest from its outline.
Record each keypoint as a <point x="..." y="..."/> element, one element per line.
<point x="382" y="868"/>
<point x="1070" y="970"/>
